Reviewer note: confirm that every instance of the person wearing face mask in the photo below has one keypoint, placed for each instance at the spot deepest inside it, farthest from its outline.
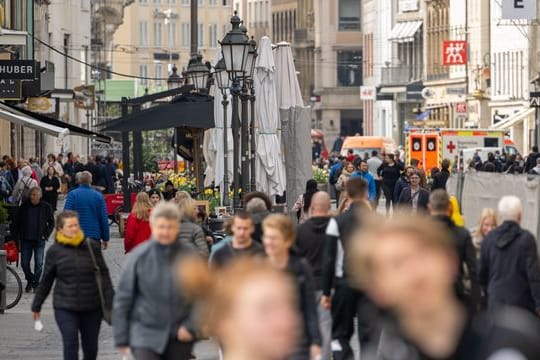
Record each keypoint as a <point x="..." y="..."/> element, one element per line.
<point x="407" y="265"/>
<point x="278" y="238"/>
<point x="152" y="316"/>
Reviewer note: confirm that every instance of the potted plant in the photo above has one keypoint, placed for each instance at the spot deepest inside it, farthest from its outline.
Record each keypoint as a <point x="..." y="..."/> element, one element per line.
<point x="321" y="177"/>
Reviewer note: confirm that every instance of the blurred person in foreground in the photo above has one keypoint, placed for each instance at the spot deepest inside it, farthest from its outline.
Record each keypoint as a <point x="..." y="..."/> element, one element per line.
<point x="408" y="266"/>
<point x="90" y="205"/>
<point x="441" y="209"/>
<point x="310" y="244"/>
<point x="278" y="239"/>
<point x="152" y="317"/>
<point x="241" y="244"/>
<point x="345" y="302"/>
<point x="250" y="307"/>
<point x="138" y="225"/>
<point x="509" y="269"/>
<point x="76" y="299"/>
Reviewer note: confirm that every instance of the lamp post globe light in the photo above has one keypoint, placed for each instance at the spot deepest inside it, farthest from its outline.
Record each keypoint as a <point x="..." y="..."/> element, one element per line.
<point x="235" y="48"/>
<point x="252" y="58"/>
<point x="222" y="82"/>
<point x="197" y="72"/>
<point x="174" y="81"/>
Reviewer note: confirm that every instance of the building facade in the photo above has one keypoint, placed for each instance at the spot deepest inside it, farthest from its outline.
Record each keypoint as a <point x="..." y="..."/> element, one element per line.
<point x="338" y="67"/>
<point x="256" y="16"/>
<point x="149" y="41"/>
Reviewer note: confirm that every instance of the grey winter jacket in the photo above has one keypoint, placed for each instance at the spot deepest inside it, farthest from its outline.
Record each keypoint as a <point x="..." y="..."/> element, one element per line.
<point x="148" y="306"/>
<point x="193" y="235"/>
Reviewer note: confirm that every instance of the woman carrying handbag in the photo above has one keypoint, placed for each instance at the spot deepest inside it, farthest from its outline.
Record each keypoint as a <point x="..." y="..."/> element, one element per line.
<point x="83" y="293"/>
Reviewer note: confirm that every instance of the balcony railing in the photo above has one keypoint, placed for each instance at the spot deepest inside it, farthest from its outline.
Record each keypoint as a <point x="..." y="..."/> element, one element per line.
<point x="400" y="75"/>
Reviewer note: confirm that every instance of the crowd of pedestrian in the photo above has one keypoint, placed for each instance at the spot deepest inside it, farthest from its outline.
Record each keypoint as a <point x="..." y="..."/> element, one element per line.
<point x="414" y="284"/>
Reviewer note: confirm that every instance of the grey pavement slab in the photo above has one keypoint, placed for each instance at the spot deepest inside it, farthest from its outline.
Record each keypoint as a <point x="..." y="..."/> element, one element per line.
<point x="19" y="340"/>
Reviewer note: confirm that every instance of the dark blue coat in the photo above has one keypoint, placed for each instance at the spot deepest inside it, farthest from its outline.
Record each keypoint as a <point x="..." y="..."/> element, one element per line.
<point x="509" y="269"/>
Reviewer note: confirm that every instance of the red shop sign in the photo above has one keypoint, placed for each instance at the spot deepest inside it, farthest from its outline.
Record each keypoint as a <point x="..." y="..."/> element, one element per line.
<point x="454" y="52"/>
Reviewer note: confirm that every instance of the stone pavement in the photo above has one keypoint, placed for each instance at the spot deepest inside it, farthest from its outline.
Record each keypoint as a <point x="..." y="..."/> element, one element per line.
<point x="19" y="340"/>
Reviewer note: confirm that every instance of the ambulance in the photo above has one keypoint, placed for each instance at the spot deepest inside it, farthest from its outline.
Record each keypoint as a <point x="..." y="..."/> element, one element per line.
<point x="426" y="148"/>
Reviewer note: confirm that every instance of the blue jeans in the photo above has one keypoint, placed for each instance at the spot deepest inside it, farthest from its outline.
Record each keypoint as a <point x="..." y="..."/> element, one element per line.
<point x="37" y="248"/>
<point x="71" y="323"/>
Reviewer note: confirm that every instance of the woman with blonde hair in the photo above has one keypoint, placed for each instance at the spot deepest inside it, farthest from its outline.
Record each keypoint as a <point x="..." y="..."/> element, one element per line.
<point x="190" y="232"/>
<point x="278" y="238"/>
<point x="488" y="221"/>
<point x="137" y="226"/>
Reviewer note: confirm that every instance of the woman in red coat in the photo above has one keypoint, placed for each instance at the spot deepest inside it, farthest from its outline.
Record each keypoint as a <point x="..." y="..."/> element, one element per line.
<point x="138" y="227"/>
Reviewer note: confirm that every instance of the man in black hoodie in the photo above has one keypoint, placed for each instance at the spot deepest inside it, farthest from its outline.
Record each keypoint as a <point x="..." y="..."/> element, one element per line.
<point x="440" y="208"/>
<point x="530" y="162"/>
<point x="509" y="269"/>
<point x="310" y="242"/>
<point x="346" y="302"/>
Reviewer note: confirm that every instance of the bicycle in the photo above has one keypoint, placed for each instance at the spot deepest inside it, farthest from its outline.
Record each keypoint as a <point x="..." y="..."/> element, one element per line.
<point x="13" y="288"/>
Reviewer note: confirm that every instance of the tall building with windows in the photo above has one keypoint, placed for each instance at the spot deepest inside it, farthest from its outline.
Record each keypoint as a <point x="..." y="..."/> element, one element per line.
<point x="338" y="67"/>
<point x="256" y="16"/>
<point x="152" y="38"/>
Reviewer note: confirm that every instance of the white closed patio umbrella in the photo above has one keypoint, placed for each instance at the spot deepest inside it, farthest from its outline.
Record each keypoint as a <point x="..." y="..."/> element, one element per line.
<point x="270" y="172"/>
<point x="295" y="124"/>
<point x="215" y="146"/>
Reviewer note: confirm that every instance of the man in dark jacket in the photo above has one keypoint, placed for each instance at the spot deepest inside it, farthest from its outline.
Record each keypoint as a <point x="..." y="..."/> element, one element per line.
<point x="509" y="269"/>
<point x="402" y="183"/>
<point x="310" y="242"/>
<point x="346" y="302"/>
<point x="441" y="178"/>
<point x="34" y="223"/>
<point x="530" y="162"/>
<point x="440" y="208"/>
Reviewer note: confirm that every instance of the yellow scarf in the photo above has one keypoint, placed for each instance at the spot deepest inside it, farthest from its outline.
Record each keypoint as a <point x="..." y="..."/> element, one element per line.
<point x="74" y="241"/>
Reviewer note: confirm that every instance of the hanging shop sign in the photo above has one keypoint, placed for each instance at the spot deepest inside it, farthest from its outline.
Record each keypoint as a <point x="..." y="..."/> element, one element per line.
<point x="10" y="89"/>
<point x="85" y="97"/>
<point x="454" y="52"/>
<point x="18" y="69"/>
<point x="534" y="99"/>
<point x="367" y="92"/>
<point x="41" y="105"/>
<point x="519" y="9"/>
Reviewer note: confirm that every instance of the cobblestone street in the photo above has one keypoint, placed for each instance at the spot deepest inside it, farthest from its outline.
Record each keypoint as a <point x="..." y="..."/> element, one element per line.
<point x="19" y="340"/>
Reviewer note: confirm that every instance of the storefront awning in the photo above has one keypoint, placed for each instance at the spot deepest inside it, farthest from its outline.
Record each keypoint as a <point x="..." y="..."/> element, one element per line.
<point x="513" y="119"/>
<point x="46" y="124"/>
<point x="10" y="37"/>
<point x="405" y="31"/>
<point x="20" y="119"/>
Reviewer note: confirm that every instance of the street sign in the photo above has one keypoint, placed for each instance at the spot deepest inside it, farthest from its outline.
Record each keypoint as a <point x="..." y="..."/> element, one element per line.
<point x="18" y="69"/>
<point x="454" y="52"/>
<point x="85" y="97"/>
<point x="534" y="99"/>
<point x="41" y="105"/>
<point x="519" y="9"/>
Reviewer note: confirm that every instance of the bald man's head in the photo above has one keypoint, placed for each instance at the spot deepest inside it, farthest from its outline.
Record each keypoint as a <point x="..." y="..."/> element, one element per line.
<point x="320" y="204"/>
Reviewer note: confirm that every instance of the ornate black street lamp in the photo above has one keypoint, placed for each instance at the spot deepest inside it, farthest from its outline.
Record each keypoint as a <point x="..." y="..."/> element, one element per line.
<point x="198" y="73"/>
<point x="223" y="83"/>
<point x="174" y="82"/>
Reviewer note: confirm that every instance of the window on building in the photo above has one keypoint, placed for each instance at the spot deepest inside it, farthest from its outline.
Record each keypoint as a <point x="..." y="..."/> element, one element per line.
<point x="200" y="2"/>
<point x="212" y="36"/>
<point x="171" y="29"/>
<point x="437" y="31"/>
<point x="143" y="73"/>
<point x="185" y="2"/>
<point x="157" y="34"/>
<point x="226" y="2"/>
<point x="349" y="68"/>
<point x="171" y="1"/>
<point x="200" y="35"/>
<point x="159" y="74"/>
<point x="157" y="1"/>
<point x="143" y="1"/>
<point x="212" y="2"/>
<point x="349" y="15"/>
<point x="143" y="33"/>
<point x="186" y="34"/>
